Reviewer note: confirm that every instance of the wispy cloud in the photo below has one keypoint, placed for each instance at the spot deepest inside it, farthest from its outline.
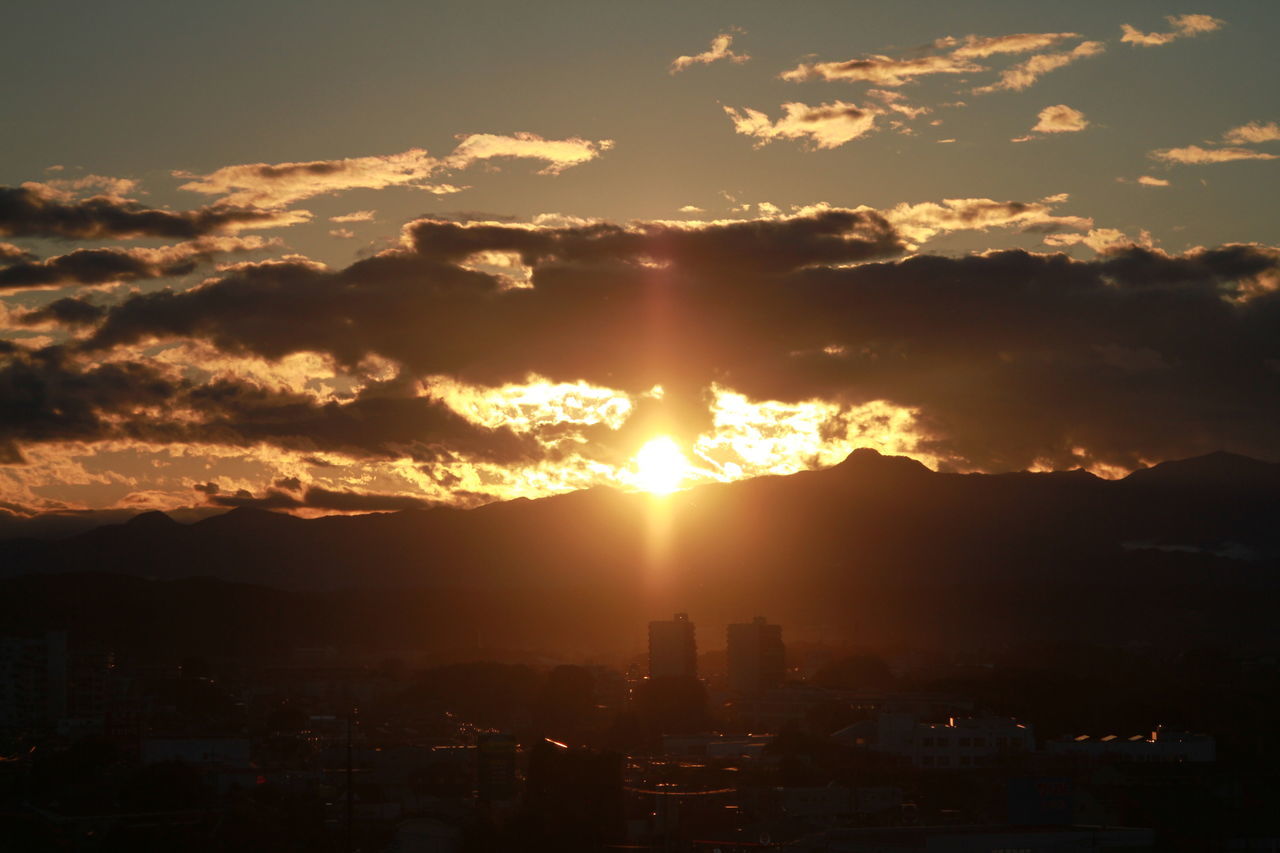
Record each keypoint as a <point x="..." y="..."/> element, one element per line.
<point x="720" y="49"/>
<point x="355" y="216"/>
<point x="925" y="220"/>
<point x="271" y="186"/>
<point x="980" y="47"/>
<point x="1058" y="118"/>
<point x="881" y="70"/>
<point x="1024" y="74"/>
<point x="823" y="126"/>
<point x="558" y="154"/>
<point x="1194" y="154"/>
<point x="1184" y="26"/>
<point x="1253" y="132"/>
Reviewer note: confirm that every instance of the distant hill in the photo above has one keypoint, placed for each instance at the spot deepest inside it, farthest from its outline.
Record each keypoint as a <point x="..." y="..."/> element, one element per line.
<point x="876" y="546"/>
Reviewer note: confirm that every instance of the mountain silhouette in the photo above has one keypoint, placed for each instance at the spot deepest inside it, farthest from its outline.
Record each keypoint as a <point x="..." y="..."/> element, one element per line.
<point x="875" y="546"/>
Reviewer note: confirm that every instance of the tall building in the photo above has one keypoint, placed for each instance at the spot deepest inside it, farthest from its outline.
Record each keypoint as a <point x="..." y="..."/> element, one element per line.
<point x="757" y="658"/>
<point x="673" y="652"/>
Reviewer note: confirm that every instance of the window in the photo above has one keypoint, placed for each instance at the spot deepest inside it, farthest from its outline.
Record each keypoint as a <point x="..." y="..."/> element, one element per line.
<point x="927" y="741"/>
<point x="964" y="741"/>
<point x="927" y="761"/>
<point x="965" y="761"/>
<point x="942" y="741"/>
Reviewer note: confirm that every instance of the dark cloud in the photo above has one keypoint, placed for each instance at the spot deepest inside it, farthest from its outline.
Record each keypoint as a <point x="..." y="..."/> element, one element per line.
<point x="99" y="266"/>
<point x="207" y="488"/>
<point x="34" y="211"/>
<point x="67" y="311"/>
<point x="272" y="499"/>
<point x="386" y="419"/>
<point x="321" y="499"/>
<point x="346" y="501"/>
<point x="289" y="484"/>
<point x="44" y="396"/>
<point x="47" y="396"/>
<point x="1011" y="358"/>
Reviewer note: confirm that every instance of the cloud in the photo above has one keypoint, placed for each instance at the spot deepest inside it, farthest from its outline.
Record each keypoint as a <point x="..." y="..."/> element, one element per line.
<point x="1101" y="240"/>
<point x="558" y="154"/>
<point x="979" y="47"/>
<point x="1251" y="133"/>
<point x="1194" y="154"/>
<point x="67" y="312"/>
<point x="271" y="186"/>
<point x="1148" y="181"/>
<point x="342" y="233"/>
<point x="1006" y="358"/>
<point x="921" y="222"/>
<point x="355" y="216"/>
<point x="719" y="49"/>
<point x="1184" y="26"/>
<point x="35" y="210"/>
<point x="824" y="126"/>
<point x="263" y="185"/>
<point x="50" y="395"/>
<point x="318" y="498"/>
<point x="10" y="254"/>
<point x="1059" y="118"/>
<point x="881" y="70"/>
<point x="101" y="266"/>
<point x="1024" y="74"/>
<point x="69" y="188"/>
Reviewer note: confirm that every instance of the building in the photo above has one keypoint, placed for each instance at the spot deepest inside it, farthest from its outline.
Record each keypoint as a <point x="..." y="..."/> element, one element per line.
<point x="673" y="651"/>
<point x="959" y="743"/>
<point x="33" y="681"/>
<point x="757" y="658"/>
<point x="1159" y="746"/>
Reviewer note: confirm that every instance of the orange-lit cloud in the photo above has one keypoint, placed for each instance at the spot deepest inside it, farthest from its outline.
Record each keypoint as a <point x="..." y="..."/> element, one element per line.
<point x="355" y="216"/>
<point x="263" y="185"/>
<point x="1252" y="133"/>
<point x="755" y="438"/>
<point x="70" y="188"/>
<point x="38" y="210"/>
<point x="1024" y="74"/>
<point x="10" y="254"/>
<point x="980" y="47"/>
<point x="720" y="49"/>
<point x="823" y="126"/>
<point x="1060" y="118"/>
<point x="922" y="221"/>
<point x="271" y="186"/>
<point x="1194" y="154"/>
<point x="1184" y="26"/>
<point x="558" y="154"/>
<point x="880" y="70"/>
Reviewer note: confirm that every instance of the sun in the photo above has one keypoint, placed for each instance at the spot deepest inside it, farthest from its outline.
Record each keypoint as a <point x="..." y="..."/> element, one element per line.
<point x="661" y="467"/>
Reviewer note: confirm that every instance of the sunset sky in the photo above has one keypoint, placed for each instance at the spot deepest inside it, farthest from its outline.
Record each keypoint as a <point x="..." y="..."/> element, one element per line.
<point x="354" y="257"/>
